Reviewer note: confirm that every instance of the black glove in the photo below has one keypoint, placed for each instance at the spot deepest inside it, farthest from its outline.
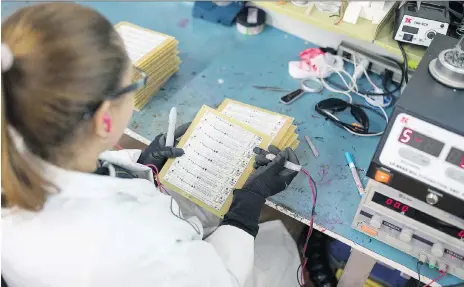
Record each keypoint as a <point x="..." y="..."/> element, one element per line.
<point x="268" y="179"/>
<point x="157" y="153"/>
<point x="271" y="177"/>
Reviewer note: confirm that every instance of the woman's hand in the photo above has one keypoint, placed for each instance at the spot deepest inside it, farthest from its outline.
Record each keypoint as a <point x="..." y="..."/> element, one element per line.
<point x="157" y="153"/>
<point x="271" y="177"/>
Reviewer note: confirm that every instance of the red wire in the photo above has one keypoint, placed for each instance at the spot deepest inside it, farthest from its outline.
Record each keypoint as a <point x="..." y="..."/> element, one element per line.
<point x="156" y="173"/>
<point x="342" y="14"/>
<point x="442" y="274"/>
<point x="153" y="168"/>
<point x="310" y="230"/>
<point x="311" y="222"/>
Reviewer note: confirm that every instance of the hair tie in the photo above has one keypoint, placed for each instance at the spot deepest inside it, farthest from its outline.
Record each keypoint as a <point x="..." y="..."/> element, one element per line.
<point x="7" y="58"/>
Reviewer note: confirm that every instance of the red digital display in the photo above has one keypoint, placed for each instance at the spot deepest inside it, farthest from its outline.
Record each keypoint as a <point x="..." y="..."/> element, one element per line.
<point x="456" y="157"/>
<point x="421" y="142"/>
<point x="397" y="205"/>
<point x="417" y="215"/>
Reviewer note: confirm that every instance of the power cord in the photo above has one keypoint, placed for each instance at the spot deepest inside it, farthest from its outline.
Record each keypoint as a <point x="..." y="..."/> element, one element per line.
<point x="418" y="266"/>
<point x="358" y="69"/>
<point x="385" y="75"/>
<point x="388" y="93"/>
<point x="386" y="79"/>
<point x="405" y="62"/>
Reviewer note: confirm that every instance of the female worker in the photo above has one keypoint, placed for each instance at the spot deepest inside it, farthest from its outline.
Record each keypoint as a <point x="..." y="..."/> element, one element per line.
<point x="74" y="216"/>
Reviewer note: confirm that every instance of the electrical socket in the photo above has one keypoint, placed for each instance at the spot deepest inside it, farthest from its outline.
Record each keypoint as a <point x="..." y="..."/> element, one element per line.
<point x="377" y="64"/>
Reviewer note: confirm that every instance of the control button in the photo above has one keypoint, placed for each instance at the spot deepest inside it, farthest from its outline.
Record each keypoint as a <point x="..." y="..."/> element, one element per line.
<point x="407" y="37"/>
<point x="423" y="258"/>
<point x="432" y="262"/>
<point x="431" y="198"/>
<point x="415" y="157"/>
<point x="442" y="266"/>
<point x="376" y="221"/>
<point x="406" y="235"/>
<point x="431" y="34"/>
<point x="369" y="230"/>
<point x="397" y="243"/>
<point x="457" y="175"/>
<point x="438" y="250"/>
<point x="382" y="176"/>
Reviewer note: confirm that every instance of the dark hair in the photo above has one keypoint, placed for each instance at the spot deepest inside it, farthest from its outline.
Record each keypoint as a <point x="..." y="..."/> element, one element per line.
<point x="67" y="57"/>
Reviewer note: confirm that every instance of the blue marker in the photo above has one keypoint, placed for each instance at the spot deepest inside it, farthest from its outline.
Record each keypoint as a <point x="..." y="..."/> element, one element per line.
<point x="354" y="172"/>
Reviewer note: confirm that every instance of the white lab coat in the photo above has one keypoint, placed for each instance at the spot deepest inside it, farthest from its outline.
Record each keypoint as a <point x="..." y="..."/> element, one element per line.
<point x="107" y="231"/>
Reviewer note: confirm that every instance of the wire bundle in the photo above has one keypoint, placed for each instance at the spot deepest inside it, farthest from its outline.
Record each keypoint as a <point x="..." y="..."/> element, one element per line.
<point x="163" y="190"/>
<point x="384" y="83"/>
<point x="353" y="89"/>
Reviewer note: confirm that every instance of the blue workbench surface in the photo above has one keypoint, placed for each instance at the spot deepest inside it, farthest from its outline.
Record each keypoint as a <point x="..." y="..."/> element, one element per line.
<point x="218" y="63"/>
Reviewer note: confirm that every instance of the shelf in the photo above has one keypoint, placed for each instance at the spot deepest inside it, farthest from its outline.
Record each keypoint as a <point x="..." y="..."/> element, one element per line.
<point x="363" y="30"/>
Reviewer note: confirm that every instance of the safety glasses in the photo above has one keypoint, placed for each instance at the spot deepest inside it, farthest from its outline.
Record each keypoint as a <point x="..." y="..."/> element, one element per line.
<point x="329" y="107"/>
<point x="139" y="81"/>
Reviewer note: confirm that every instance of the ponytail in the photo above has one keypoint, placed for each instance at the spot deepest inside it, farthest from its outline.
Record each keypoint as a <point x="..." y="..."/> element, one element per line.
<point x="22" y="184"/>
<point x="59" y="60"/>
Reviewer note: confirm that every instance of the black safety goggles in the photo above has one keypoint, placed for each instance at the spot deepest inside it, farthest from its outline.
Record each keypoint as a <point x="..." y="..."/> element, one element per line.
<point x="329" y="107"/>
<point x="139" y="81"/>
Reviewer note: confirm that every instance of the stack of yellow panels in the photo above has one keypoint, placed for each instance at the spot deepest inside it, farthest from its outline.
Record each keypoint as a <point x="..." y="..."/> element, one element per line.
<point x="154" y="53"/>
<point x="279" y="127"/>
<point x="219" y="153"/>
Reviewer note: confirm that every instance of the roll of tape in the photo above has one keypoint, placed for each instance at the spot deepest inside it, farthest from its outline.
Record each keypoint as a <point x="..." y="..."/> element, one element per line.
<point x="250" y="21"/>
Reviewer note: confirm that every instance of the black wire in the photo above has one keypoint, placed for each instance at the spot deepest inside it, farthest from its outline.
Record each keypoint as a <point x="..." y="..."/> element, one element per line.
<point x="392" y="96"/>
<point x="405" y="62"/>
<point x="418" y="266"/>
<point x="384" y="83"/>
<point x="315" y="189"/>
<point x="396" y="88"/>
<point x="403" y="73"/>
